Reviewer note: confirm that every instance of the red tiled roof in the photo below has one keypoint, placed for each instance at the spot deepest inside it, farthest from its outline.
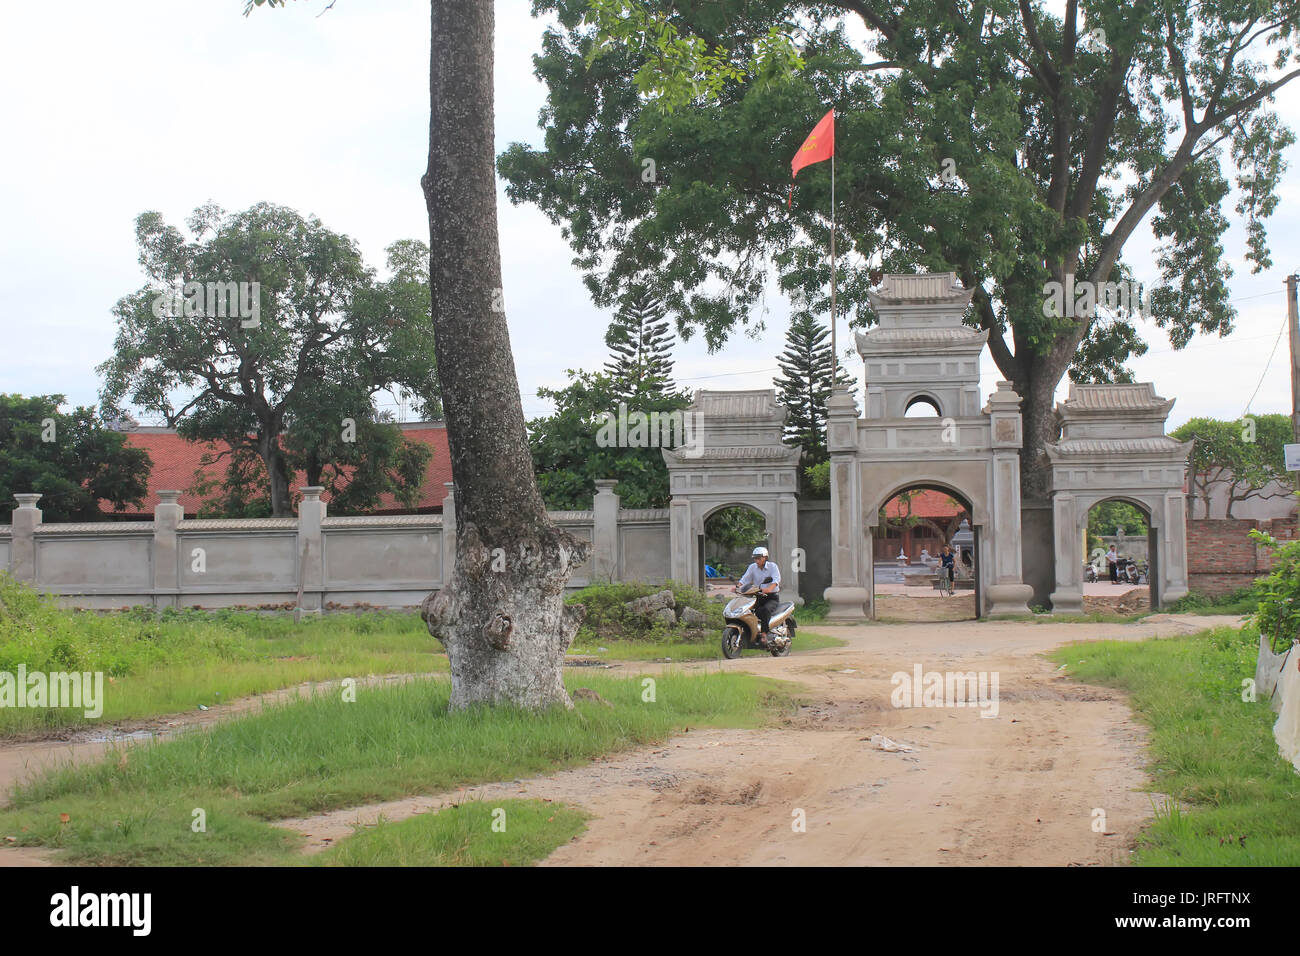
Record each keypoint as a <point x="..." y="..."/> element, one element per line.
<point x="175" y="461"/>
<point x="925" y="504"/>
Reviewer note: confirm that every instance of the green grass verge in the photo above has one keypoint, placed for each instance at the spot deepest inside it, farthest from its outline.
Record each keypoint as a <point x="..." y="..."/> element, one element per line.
<point x="172" y="661"/>
<point x="1212" y="753"/>
<point x="160" y="662"/>
<point x="476" y="833"/>
<point x="690" y="651"/>
<point x="1241" y="601"/>
<point x="323" y="753"/>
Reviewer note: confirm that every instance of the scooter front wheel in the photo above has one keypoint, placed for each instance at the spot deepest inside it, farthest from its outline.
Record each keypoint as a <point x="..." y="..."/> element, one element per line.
<point x="731" y="643"/>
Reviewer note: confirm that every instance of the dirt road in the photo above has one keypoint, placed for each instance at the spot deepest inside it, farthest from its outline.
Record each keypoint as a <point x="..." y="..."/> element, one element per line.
<point x="1019" y="788"/>
<point x="1023" y="788"/>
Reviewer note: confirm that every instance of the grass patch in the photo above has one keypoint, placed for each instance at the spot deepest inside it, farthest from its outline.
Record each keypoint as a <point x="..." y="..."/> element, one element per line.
<point x="319" y="754"/>
<point x="1234" y="800"/>
<point x="813" y="612"/>
<point x="692" y="651"/>
<point x="525" y="831"/>
<point x="158" y="662"/>
<point x="1043" y="616"/>
<point x="1241" y="601"/>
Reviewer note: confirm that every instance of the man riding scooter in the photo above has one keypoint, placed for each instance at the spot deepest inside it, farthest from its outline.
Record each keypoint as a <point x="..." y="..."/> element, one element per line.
<point x="766" y="576"/>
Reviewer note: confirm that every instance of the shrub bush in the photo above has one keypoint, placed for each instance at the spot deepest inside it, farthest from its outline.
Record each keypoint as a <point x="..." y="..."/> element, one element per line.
<point x="608" y="618"/>
<point x="1278" y="593"/>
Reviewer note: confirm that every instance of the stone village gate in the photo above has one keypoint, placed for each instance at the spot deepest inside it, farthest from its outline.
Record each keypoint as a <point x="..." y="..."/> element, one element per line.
<point x="736" y="458"/>
<point x="1112" y="446"/>
<point x="922" y="353"/>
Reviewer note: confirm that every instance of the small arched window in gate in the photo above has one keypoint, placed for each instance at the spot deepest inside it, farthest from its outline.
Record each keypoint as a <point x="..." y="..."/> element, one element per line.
<point x="922" y="406"/>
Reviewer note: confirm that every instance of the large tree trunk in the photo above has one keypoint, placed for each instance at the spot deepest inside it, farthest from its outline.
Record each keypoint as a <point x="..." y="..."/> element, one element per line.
<point x="501" y="615"/>
<point x="276" y="472"/>
<point x="1036" y="384"/>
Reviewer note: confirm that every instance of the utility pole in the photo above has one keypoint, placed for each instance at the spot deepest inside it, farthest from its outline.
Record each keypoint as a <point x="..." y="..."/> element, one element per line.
<point x="1293" y="334"/>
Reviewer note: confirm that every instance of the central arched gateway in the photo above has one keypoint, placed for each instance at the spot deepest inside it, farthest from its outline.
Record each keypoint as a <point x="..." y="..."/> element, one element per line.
<point x="922" y="352"/>
<point x="978" y="518"/>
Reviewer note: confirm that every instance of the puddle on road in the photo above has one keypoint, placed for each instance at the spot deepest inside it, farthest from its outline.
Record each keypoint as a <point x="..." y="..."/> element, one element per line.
<point x="113" y="737"/>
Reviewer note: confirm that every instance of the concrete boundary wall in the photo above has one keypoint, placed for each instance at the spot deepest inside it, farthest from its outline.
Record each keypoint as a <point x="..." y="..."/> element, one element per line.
<point x="309" y="564"/>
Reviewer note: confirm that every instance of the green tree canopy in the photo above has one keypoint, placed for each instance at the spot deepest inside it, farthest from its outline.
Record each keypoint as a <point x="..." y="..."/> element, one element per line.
<point x="294" y="381"/>
<point x="72" y="459"/>
<point x="733" y="529"/>
<point x="569" y="458"/>
<point x="1245" y="458"/>
<point x="1011" y="145"/>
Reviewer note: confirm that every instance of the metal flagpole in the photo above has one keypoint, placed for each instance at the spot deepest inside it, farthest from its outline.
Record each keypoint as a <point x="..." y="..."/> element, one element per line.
<point x="834" y="356"/>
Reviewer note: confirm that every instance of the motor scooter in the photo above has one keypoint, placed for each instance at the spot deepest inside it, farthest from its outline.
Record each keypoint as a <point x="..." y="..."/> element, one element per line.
<point x="741" y="628"/>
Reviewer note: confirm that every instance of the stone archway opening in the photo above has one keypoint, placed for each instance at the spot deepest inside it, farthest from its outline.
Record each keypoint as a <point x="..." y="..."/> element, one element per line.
<point x="1126" y="524"/>
<point x="910" y="532"/>
<point x="731" y="532"/>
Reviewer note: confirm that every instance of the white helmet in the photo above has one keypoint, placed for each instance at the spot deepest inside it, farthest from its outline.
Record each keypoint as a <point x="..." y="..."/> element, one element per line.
<point x="760" y="551"/>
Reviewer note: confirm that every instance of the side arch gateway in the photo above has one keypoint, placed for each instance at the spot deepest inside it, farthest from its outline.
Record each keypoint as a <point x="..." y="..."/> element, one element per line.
<point x="922" y="351"/>
<point x="1113" y="446"/>
<point x="734" y="455"/>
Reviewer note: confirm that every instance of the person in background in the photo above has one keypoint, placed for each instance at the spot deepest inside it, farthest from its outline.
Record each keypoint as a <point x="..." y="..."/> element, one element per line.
<point x="946" y="562"/>
<point x="1112" y="560"/>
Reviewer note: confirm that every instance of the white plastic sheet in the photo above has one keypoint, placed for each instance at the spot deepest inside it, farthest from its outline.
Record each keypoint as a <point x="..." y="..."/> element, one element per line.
<point x="1287" y="729"/>
<point x="1267" y="668"/>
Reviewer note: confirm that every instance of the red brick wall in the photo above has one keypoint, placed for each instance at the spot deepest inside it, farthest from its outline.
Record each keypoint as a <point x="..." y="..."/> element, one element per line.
<point x="1221" y="557"/>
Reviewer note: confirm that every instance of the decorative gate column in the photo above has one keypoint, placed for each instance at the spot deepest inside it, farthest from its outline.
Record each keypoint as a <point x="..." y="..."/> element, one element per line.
<point x="851" y="565"/>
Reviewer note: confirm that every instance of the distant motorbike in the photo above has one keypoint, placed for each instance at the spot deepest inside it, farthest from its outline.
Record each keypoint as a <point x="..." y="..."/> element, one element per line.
<point x="1089" y="573"/>
<point x="1130" y="572"/>
<point x="741" y="626"/>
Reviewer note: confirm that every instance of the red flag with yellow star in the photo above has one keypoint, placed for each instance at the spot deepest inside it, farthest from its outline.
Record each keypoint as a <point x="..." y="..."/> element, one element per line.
<point x="819" y="146"/>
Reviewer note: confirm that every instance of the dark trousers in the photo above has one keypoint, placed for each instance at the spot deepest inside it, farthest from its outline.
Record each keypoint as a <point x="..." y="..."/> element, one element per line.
<point x="763" y="608"/>
<point x="1114" y="572"/>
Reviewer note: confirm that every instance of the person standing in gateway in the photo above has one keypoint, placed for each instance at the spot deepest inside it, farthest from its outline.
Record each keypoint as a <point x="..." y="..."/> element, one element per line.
<point x="766" y="576"/>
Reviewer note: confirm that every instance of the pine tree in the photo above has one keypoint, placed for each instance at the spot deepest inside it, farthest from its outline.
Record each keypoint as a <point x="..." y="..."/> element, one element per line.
<point x="640" y="338"/>
<point x="804" y="387"/>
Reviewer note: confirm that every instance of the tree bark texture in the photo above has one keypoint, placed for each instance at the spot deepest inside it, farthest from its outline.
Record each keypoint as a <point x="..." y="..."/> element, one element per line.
<point x="501" y="614"/>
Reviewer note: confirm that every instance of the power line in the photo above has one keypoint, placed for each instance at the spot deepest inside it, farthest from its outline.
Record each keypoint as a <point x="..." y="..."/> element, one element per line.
<point x="1259" y="296"/>
<point x="1276" y="342"/>
<point x="755" y="371"/>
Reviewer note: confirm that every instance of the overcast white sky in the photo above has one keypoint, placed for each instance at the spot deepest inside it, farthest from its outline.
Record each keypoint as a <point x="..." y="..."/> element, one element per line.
<point x="112" y="109"/>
